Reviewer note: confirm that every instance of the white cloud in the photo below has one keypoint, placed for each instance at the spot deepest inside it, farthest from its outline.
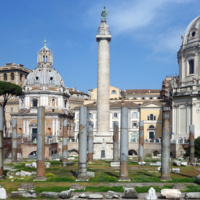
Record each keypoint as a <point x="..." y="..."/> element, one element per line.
<point x="130" y="15"/>
<point x="170" y="40"/>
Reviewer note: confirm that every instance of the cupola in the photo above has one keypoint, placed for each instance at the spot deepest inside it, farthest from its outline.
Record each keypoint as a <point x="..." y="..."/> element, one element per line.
<point x="45" y="57"/>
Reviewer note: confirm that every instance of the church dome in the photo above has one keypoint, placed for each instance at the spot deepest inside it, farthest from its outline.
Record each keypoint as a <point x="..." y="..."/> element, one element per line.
<point x="192" y="32"/>
<point x="44" y="76"/>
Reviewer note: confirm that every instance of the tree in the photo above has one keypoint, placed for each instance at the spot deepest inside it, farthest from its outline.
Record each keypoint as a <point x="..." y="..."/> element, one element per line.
<point x="196" y="146"/>
<point x="7" y="90"/>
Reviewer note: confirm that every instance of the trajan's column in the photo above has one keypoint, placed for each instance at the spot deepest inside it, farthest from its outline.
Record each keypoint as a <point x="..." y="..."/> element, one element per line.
<point x="103" y="138"/>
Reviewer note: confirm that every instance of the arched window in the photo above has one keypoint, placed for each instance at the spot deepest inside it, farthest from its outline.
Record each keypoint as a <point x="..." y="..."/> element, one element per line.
<point x="53" y="102"/>
<point x="12" y="76"/>
<point x="151" y="127"/>
<point x="49" y="131"/>
<point x="191" y="66"/>
<point x="20" y="130"/>
<point x="151" y="117"/>
<point x="5" y="77"/>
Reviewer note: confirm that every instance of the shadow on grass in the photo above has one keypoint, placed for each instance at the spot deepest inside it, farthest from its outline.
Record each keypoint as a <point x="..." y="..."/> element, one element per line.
<point x="186" y="175"/>
<point x="111" y="174"/>
<point x="150" y="175"/>
<point x="74" y="173"/>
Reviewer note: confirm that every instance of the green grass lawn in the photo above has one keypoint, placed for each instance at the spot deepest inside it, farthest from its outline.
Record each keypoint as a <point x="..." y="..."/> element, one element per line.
<point x="60" y="178"/>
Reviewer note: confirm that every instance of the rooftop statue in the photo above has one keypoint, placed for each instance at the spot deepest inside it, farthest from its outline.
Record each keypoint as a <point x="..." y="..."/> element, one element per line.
<point x="104" y="14"/>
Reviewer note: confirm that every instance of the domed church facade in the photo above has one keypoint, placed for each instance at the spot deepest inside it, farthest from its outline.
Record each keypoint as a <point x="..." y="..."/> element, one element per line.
<point x="186" y="94"/>
<point x="43" y="87"/>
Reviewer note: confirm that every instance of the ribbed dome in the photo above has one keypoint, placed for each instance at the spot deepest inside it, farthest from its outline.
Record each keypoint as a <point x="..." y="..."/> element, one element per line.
<point x="44" y="76"/>
<point x="192" y="33"/>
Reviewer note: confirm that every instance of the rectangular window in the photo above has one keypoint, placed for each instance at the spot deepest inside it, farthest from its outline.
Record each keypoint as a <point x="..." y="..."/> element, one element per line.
<point x="103" y="155"/>
<point x="191" y="67"/>
<point x="134" y="115"/>
<point x="34" y="134"/>
<point x="90" y="124"/>
<point x="134" y="125"/>
<point x="90" y="115"/>
<point x="113" y="92"/>
<point x="35" y="102"/>
<point x="151" y="135"/>
<point x="11" y="110"/>
<point x="115" y="115"/>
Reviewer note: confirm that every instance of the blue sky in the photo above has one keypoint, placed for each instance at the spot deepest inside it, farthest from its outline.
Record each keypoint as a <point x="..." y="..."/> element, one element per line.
<point x="146" y="35"/>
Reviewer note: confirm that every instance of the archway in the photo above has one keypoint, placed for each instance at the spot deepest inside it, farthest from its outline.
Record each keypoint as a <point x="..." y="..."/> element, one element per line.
<point x="132" y="152"/>
<point x="73" y="152"/>
<point x="33" y="155"/>
<point x="155" y="153"/>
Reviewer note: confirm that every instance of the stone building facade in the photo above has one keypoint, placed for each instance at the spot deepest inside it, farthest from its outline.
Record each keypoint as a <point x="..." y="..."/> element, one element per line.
<point x="186" y="94"/>
<point x="14" y="73"/>
<point x="149" y="111"/>
<point x="77" y="98"/>
<point x="115" y="93"/>
<point x="43" y="87"/>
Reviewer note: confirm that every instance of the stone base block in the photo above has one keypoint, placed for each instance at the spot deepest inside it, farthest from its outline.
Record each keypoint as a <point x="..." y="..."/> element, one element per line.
<point x="115" y="164"/>
<point x="25" y="194"/>
<point x="171" y="193"/>
<point x="76" y="186"/>
<point x="165" y="178"/>
<point x="40" y="179"/>
<point x="130" y="193"/>
<point x="124" y="178"/>
<point x="50" y="194"/>
<point x="82" y="178"/>
<point x="107" y="148"/>
<point x="95" y="196"/>
<point x="192" y="195"/>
